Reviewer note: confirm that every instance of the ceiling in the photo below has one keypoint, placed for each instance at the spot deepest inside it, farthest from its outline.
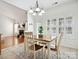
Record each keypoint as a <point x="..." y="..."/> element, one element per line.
<point x="27" y="4"/>
<point x="12" y="8"/>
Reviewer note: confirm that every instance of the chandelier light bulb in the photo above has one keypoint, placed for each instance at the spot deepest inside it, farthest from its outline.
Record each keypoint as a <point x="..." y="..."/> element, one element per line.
<point x="37" y="9"/>
<point x="40" y="14"/>
<point x="30" y="11"/>
<point x="34" y="14"/>
<point x="42" y="11"/>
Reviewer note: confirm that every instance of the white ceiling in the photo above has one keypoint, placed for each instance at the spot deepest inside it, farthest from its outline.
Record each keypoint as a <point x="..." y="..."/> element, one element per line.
<point x="26" y="4"/>
<point x="12" y="8"/>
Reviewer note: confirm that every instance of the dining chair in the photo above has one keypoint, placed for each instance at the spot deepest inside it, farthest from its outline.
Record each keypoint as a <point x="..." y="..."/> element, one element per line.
<point x="55" y="42"/>
<point x="32" y="46"/>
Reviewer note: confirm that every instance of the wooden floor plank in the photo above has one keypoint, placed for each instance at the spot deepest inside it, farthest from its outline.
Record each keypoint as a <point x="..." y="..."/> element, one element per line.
<point x="9" y="41"/>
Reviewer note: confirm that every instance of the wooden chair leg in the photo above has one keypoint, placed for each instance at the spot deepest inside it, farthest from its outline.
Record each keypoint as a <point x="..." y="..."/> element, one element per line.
<point x="45" y="54"/>
<point x="34" y="52"/>
<point x="34" y="55"/>
<point x="58" y="54"/>
<point x="0" y="51"/>
<point x="0" y="48"/>
<point x="0" y="44"/>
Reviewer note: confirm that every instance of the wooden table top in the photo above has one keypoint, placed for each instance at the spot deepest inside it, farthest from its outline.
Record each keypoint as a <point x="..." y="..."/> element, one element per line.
<point x="45" y="38"/>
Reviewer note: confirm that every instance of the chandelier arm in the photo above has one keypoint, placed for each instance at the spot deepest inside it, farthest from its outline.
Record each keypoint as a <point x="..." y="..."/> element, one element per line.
<point x="37" y="5"/>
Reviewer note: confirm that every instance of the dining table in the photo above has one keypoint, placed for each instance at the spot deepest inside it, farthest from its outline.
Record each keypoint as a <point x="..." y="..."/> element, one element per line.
<point x="45" y="41"/>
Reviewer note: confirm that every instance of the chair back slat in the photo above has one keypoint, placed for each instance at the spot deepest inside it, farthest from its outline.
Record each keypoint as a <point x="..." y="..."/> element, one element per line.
<point x="29" y="37"/>
<point x="58" y="40"/>
<point x="29" y="34"/>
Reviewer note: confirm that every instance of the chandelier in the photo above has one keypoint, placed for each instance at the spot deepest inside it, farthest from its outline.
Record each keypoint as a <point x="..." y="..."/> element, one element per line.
<point x="36" y="10"/>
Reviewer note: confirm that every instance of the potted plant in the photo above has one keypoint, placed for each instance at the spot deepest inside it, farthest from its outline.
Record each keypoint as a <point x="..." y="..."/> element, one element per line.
<point x="40" y="30"/>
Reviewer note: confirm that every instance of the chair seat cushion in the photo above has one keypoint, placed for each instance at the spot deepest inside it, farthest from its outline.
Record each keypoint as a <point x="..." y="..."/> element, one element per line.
<point x="37" y="47"/>
<point x="52" y="48"/>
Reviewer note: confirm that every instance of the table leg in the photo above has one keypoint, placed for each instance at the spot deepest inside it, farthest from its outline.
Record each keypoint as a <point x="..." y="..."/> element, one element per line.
<point x="48" y="50"/>
<point x="24" y="44"/>
<point x="43" y="52"/>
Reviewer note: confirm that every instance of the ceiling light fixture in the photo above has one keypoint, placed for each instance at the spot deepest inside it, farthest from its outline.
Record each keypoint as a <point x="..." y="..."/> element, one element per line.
<point x="36" y="10"/>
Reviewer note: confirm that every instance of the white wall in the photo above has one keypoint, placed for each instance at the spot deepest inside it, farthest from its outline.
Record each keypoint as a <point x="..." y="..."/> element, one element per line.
<point x="65" y="10"/>
<point x="13" y="12"/>
<point x="6" y="26"/>
<point x="8" y="13"/>
<point x="16" y="31"/>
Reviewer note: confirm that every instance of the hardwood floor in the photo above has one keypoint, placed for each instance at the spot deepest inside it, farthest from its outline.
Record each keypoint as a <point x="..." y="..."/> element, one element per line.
<point x="14" y="49"/>
<point x="17" y="52"/>
<point x="9" y="41"/>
